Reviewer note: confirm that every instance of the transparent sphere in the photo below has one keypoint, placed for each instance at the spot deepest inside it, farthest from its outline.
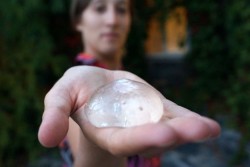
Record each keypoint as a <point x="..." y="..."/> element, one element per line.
<point x="124" y="103"/>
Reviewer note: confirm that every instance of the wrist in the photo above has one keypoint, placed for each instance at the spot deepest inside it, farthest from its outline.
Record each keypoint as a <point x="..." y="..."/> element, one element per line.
<point x="89" y="154"/>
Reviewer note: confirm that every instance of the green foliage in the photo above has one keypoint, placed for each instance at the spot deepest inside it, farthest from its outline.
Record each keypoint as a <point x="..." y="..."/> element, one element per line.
<point x="28" y="68"/>
<point x="220" y="54"/>
<point x="221" y="61"/>
<point x="134" y="59"/>
<point x="238" y="28"/>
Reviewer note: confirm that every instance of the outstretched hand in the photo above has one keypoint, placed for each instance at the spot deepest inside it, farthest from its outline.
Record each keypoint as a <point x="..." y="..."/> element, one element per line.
<point x="69" y="95"/>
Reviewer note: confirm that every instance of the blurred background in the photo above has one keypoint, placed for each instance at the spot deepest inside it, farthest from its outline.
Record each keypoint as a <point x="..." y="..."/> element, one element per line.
<point x="196" y="54"/>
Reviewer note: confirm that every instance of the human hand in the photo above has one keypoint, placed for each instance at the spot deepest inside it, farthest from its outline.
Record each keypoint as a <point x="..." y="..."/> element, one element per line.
<point x="69" y="95"/>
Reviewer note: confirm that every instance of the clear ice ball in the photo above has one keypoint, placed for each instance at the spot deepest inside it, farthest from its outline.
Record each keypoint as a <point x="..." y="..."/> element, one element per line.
<point x="124" y="103"/>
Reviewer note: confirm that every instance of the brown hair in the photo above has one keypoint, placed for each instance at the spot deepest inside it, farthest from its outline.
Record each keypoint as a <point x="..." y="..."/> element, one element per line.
<point x="78" y="6"/>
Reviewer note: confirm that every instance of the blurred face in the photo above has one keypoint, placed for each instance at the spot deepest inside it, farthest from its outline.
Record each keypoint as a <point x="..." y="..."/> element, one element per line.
<point x="104" y="25"/>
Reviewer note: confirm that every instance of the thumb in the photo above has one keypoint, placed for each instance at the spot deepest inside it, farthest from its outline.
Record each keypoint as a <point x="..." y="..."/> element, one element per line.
<point x="55" y="122"/>
<point x="53" y="128"/>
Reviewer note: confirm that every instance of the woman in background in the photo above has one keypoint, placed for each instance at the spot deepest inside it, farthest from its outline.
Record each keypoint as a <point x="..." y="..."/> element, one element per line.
<point x="104" y="26"/>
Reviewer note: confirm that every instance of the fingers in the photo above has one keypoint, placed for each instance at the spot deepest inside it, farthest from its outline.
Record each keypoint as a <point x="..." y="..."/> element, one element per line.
<point x="55" y="123"/>
<point x="215" y="128"/>
<point x="173" y="110"/>
<point x="135" y="140"/>
<point x="190" y="126"/>
<point x="150" y="139"/>
<point x="190" y="129"/>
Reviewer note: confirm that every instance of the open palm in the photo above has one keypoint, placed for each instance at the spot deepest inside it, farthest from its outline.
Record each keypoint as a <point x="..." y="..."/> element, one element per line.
<point x="69" y="95"/>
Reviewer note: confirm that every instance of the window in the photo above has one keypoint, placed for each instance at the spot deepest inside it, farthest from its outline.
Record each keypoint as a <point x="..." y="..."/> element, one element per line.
<point x="169" y="38"/>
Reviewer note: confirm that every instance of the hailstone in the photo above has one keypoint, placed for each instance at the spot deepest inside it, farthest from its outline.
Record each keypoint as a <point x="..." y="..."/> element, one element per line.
<point x="124" y="103"/>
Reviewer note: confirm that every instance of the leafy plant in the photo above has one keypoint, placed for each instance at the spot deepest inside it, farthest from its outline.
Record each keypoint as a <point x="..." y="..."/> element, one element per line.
<point x="28" y="69"/>
<point x="220" y="59"/>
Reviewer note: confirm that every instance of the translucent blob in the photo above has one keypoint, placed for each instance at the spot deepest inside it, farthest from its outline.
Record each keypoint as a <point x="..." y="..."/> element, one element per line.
<point x="124" y="103"/>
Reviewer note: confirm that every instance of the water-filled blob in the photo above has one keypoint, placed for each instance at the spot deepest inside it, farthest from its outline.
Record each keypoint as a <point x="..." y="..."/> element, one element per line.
<point x="124" y="103"/>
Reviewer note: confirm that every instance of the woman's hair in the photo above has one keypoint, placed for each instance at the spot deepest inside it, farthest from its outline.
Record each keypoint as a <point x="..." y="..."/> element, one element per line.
<point x="78" y="6"/>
